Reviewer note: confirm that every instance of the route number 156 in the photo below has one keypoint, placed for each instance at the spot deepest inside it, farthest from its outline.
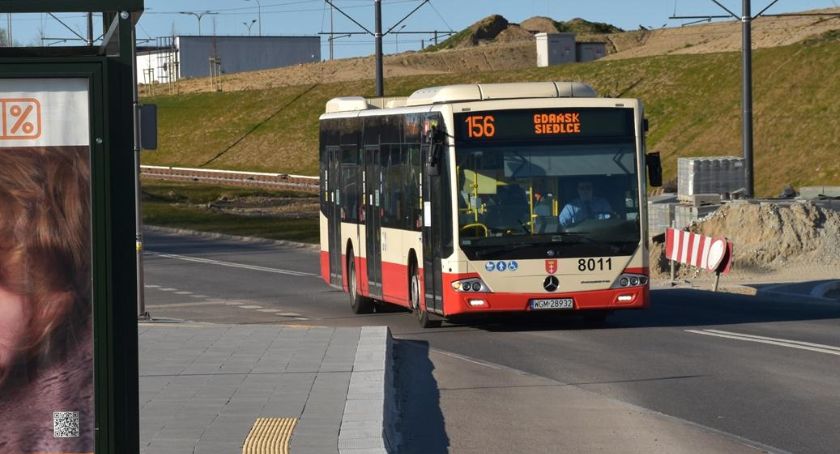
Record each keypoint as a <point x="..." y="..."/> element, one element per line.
<point x="480" y="126"/>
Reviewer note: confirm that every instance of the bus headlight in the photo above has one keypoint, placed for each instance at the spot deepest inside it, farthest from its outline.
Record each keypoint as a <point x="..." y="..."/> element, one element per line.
<point x="630" y="280"/>
<point x="470" y="285"/>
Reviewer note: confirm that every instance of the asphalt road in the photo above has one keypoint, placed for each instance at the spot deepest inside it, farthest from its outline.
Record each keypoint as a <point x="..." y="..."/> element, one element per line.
<point x="737" y="369"/>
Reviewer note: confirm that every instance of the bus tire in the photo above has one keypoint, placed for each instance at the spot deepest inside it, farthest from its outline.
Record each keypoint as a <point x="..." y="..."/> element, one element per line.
<point x="358" y="304"/>
<point x="417" y="305"/>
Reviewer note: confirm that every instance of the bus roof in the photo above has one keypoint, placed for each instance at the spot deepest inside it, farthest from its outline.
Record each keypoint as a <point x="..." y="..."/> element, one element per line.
<point x="464" y="93"/>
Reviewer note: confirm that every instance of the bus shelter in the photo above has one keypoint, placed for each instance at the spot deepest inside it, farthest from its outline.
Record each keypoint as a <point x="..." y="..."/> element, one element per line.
<point x="68" y="326"/>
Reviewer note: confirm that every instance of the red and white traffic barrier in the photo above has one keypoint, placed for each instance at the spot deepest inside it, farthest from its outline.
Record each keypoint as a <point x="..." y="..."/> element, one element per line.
<point x="699" y="251"/>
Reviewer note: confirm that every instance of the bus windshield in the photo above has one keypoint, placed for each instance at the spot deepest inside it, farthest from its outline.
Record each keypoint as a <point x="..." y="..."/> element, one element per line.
<point x="578" y="199"/>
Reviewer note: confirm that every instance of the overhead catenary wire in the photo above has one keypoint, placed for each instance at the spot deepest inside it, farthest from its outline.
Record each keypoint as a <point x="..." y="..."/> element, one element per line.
<point x="746" y="19"/>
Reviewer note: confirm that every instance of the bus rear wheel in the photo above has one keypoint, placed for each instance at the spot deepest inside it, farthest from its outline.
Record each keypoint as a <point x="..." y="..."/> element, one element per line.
<point x="417" y="306"/>
<point x="358" y="303"/>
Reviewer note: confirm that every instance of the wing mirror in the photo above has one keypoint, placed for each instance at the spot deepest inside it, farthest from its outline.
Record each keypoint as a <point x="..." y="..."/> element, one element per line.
<point x="654" y="169"/>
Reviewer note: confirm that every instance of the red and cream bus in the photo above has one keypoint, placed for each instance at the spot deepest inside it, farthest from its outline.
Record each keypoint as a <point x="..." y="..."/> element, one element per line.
<point x="469" y="199"/>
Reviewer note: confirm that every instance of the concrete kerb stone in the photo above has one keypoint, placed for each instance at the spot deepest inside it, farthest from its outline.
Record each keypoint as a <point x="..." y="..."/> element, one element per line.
<point x="820" y="291"/>
<point x="223" y="236"/>
<point x="370" y="414"/>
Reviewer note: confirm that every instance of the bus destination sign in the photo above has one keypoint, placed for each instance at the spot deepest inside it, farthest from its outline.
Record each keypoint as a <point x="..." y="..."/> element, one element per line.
<point x="524" y="124"/>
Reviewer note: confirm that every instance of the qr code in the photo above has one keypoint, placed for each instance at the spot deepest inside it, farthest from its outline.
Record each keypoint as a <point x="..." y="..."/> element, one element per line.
<point x="65" y="424"/>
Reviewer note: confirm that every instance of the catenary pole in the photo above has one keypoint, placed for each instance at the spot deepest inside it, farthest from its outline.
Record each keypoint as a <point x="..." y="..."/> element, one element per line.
<point x="380" y="88"/>
<point x="142" y="314"/>
<point x="746" y="53"/>
<point x="90" y="29"/>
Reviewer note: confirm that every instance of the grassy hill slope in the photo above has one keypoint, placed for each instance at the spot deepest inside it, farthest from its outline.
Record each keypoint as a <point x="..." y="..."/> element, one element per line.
<point x="692" y="101"/>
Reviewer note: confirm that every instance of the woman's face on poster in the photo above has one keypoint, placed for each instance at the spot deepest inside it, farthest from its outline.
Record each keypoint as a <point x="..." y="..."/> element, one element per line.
<point x="13" y="316"/>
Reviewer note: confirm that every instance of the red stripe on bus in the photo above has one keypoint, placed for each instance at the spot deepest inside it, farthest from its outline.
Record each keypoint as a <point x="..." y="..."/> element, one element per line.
<point x="325" y="266"/>
<point x="645" y="271"/>
<point x="456" y="303"/>
<point x="395" y="283"/>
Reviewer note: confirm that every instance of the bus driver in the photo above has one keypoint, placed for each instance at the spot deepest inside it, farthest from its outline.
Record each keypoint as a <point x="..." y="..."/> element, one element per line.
<point x="586" y="206"/>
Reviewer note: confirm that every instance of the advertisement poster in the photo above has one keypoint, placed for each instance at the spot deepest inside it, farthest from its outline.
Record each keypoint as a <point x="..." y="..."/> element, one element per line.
<point x="46" y="317"/>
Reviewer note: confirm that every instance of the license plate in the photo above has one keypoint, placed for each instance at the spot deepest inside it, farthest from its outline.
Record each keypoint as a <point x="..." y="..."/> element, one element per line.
<point x="557" y="303"/>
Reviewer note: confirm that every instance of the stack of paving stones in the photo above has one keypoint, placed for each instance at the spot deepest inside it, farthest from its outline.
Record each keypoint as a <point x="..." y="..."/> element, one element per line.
<point x="202" y="387"/>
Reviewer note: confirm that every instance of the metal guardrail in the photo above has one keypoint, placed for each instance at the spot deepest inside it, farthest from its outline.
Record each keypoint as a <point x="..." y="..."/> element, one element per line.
<point x="231" y="177"/>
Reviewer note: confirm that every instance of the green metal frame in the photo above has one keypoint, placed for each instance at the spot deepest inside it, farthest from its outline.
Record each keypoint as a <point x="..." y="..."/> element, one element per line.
<point x="73" y="6"/>
<point x="113" y="264"/>
<point x="109" y="69"/>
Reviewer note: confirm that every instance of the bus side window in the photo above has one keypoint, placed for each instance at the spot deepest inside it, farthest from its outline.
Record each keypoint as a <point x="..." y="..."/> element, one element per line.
<point x="392" y="186"/>
<point x="412" y="182"/>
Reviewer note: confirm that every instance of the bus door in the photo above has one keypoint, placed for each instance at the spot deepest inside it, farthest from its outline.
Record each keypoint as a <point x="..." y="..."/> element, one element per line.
<point x="373" y="220"/>
<point x="334" y="213"/>
<point x="433" y="218"/>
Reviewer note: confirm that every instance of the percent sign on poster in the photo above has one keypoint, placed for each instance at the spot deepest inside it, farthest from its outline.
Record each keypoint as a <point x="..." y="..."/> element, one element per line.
<point x="21" y="118"/>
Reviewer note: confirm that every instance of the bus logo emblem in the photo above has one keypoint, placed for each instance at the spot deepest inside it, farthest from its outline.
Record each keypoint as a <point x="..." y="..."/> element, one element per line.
<point x="551" y="283"/>
<point x="551" y="266"/>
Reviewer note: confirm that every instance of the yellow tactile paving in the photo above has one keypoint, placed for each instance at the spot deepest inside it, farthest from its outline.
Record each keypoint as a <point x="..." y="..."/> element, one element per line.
<point x="269" y="436"/>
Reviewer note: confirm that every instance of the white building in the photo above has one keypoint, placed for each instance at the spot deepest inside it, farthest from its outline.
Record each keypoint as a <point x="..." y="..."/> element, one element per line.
<point x="190" y="56"/>
<point x="555" y="48"/>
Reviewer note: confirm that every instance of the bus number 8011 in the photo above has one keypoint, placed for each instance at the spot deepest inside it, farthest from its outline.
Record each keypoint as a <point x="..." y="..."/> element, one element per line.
<point x="593" y="265"/>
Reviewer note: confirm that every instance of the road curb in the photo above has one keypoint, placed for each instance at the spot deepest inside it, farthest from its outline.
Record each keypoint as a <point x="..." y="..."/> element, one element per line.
<point x="825" y="288"/>
<point x="224" y="236"/>
<point x="369" y="421"/>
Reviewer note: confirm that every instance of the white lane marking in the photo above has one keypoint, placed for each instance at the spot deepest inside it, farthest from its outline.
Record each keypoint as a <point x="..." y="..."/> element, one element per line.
<point x="167" y="289"/>
<point x="250" y="306"/>
<point x="198" y="296"/>
<point x="168" y="306"/>
<point x="269" y="311"/>
<point x="151" y="286"/>
<point x="289" y="314"/>
<point x="183" y="293"/>
<point x="236" y="265"/>
<point x="819" y="348"/>
<point x="469" y="360"/>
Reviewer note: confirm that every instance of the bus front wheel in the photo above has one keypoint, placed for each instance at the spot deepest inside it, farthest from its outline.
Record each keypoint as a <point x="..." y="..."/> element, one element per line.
<point x="417" y="306"/>
<point x="358" y="303"/>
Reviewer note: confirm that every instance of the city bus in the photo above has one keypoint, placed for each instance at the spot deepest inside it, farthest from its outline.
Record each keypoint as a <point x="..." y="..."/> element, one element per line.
<point x="487" y="198"/>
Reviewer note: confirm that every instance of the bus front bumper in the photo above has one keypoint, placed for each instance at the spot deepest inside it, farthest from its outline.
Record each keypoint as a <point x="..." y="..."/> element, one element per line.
<point x="459" y="303"/>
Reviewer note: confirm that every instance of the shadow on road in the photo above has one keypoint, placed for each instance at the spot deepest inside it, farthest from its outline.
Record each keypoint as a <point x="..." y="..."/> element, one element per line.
<point x="674" y="307"/>
<point x="422" y="424"/>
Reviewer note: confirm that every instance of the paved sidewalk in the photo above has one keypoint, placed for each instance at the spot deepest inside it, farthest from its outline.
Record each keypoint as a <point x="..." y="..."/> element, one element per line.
<point x="202" y="387"/>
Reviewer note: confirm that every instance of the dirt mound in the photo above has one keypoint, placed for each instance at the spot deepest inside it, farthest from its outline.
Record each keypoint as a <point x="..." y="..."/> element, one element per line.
<point x="512" y="34"/>
<point x="487" y="29"/>
<point x="583" y="26"/>
<point x="540" y="24"/>
<point x="458" y="54"/>
<point x="722" y="36"/>
<point x="769" y="236"/>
